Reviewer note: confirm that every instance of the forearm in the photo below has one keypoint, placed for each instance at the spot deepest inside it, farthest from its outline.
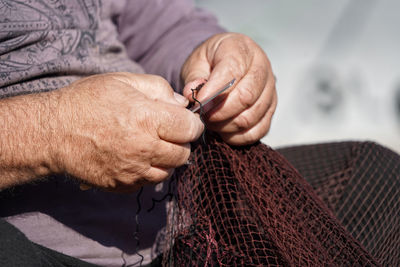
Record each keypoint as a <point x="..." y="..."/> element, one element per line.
<point x="26" y="138"/>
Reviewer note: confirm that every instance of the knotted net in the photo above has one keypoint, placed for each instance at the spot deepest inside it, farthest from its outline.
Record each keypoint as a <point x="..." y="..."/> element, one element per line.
<point x="248" y="206"/>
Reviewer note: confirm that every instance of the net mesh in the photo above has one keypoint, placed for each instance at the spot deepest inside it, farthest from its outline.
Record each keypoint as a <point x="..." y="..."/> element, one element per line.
<point x="360" y="183"/>
<point x="238" y="206"/>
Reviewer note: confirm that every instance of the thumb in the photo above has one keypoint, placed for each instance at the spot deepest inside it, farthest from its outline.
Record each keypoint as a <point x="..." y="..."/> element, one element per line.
<point x="195" y="71"/>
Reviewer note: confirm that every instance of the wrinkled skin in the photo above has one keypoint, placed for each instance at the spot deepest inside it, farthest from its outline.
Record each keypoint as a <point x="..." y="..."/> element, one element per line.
<point x="244" y="116"/>
<point x="119" y="131"/>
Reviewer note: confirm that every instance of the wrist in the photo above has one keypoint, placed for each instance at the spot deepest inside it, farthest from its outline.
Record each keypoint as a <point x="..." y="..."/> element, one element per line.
<point x="49" y="134"/>
<point x="56" y="126"/>
<point x="26" y="138"/>
<point x="40" y="137"/>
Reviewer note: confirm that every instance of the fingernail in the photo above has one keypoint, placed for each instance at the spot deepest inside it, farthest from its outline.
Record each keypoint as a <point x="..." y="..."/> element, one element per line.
<point x="181" y="99"/>
<point x="84" y="187"/>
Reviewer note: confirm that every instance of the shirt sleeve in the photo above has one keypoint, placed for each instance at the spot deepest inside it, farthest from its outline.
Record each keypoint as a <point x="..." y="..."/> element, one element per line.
<point x="161" y="34"/>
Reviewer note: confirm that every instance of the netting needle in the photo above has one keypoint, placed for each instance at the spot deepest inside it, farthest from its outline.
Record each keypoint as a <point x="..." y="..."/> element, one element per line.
<point x="220" y="91"/>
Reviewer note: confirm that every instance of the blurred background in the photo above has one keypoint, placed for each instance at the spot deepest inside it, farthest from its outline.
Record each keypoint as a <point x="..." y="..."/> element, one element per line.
<point x="337" y="65"/>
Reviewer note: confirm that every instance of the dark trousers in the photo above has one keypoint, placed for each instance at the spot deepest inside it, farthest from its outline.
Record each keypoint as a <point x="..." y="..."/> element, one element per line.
<point x="16" y="250"/>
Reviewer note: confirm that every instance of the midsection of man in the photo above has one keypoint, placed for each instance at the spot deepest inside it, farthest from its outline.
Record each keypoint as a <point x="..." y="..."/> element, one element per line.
<point x="47" y="45"/>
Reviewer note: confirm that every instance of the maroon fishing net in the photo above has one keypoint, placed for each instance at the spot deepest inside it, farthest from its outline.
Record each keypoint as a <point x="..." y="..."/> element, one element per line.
<point x="360" y="183"/>
<point x="248" y="206"/>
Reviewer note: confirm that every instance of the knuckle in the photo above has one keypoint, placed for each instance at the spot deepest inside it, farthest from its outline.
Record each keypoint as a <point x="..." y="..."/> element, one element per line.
<point x="242" y="122"/>
<point x="246" y="96"/>
<point x="146" y="176"/>
<point x="237" y="66"/>
<point x="184" y="155"/>
<point x="194" y="127"/>
<point x="127" y="179"/>
<point x="173" y="155"/>
<point x="257" y="133"/>
<point x="160" y="154"/>
<point x="160" y="81"/>
<point x="260" y="76"/>
<point x="197" y="127"/>
<point x="244" y="47"/>
<point x="106" y="181"/>
<point x="123" y="77"/>
<point x="153" y="180"/>
<point x="163" y="87"/>
<point x="180" y="158"/>
<point x="158" y="179"/>
<point x="161" y="176"/>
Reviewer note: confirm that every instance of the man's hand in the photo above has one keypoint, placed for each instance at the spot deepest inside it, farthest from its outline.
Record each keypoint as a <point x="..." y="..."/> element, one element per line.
<point x="116" y="131"/>
<point x="246" y="112"/>
<point x="123" y="130"/>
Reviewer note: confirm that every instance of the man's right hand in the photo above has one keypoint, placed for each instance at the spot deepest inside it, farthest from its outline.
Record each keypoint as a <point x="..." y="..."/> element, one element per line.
<point x="119" y="131"/>
<point x="116" y="131"/>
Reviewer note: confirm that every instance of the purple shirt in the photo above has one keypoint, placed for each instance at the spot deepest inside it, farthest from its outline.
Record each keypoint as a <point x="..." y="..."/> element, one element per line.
<point x="45" y="45"/>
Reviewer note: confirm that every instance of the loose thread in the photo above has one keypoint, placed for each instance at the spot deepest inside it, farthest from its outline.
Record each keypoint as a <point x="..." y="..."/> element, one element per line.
<point x="139" y="208"/>
<point x="168" y="194"/>
<point x="172" y="234"/>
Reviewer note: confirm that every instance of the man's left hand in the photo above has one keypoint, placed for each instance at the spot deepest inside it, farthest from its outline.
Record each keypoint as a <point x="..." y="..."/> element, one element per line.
<point x="244" y="116"/>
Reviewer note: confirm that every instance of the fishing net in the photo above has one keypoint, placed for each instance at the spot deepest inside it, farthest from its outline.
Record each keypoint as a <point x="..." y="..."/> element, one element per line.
<point x="360" y="183"/>
<point x="248" y="206"/>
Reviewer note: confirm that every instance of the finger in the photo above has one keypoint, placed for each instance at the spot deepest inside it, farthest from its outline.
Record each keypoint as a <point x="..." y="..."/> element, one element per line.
<point x="155" y="175"/>
<point x="153" y="86"/>
<point x="177" y="125"/>
<point x="252" y="135"/>
<point x="196" y="67"/>
<point x="170" y="155"/>
<point x="245" y="94"/>
<point x="189" y="87"/>
<point x="249" y="117"/>
<point x="221" y="74"/>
